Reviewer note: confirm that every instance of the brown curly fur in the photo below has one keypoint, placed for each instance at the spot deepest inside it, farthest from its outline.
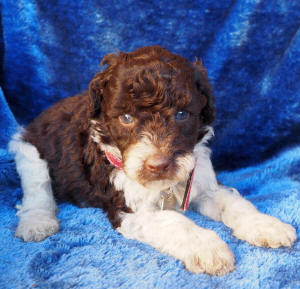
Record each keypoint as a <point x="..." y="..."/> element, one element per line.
<point x="150" y="84"/>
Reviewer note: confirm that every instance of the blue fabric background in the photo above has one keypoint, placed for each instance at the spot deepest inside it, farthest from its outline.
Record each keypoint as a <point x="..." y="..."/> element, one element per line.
<point x="251" y="49"/>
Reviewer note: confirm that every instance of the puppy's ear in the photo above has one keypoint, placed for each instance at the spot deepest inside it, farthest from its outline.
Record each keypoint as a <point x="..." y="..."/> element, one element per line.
<point x="98" y="84"/>
<point x="96" y="95"/>
<point x="208" y="113"/>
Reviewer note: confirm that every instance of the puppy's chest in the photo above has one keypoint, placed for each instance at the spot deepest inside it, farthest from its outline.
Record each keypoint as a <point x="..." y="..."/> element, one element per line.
<point x="139" y="198"/>
<point x="174" y="197"/>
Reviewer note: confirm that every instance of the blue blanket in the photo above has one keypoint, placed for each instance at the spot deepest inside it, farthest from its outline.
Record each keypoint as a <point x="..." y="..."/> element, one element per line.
<point x="51" y="49"/>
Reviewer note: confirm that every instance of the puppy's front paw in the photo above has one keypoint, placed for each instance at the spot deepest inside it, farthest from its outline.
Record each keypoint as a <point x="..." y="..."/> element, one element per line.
<point x="209" y="254"/>
<point x="36" y="226"/>
<point x="266" y="231"/>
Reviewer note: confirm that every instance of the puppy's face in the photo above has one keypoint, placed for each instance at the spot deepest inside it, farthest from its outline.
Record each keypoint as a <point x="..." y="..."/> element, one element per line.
<point x="148" y="108"/>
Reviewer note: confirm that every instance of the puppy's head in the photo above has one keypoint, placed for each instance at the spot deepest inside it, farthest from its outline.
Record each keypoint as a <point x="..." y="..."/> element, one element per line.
<point x="149" y="108"/>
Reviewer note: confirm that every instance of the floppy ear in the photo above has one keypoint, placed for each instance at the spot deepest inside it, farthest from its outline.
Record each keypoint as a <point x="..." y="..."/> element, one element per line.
<point x="98" y="84"/>
<point x="208" y="113"/>
<point x="96" y="96"/>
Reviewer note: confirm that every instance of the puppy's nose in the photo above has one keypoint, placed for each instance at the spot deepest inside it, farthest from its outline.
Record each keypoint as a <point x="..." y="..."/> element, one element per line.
<point x="157" y="163"/>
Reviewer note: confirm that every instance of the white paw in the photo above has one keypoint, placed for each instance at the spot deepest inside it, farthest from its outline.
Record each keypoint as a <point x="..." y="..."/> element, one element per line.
<point x="209" y="254"/>
<point x="36" y="226"/>
<point x="264" y="230"/>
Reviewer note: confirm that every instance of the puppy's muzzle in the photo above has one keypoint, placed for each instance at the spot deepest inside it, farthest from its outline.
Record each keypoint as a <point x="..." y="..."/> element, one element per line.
<point x="157" y="164"/>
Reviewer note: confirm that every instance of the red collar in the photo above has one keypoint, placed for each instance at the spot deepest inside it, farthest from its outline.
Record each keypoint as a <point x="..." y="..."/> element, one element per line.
<point x="187" y="193"/>
<point x="114" y="160"/>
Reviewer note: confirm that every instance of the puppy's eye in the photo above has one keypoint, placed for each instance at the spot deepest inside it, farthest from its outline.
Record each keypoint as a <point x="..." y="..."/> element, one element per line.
<point x="181" y="115"/>
<point x="126" y="119"/>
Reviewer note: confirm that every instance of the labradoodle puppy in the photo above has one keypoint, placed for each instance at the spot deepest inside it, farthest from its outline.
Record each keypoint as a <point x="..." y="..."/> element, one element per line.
<point x="135" y="145"/>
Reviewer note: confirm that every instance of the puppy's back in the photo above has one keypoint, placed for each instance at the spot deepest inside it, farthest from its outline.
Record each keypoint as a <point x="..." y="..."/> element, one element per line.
<point x="60" y="134"/>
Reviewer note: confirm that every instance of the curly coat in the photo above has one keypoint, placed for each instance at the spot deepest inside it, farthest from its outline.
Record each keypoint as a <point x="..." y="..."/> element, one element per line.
<point x="145" y="83"/>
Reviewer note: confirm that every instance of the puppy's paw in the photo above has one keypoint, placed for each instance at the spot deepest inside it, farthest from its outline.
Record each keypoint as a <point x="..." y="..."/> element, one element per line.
<point x="36" y="226"/>
<point x="209" y="254"/>
<point x="265" y="231"/>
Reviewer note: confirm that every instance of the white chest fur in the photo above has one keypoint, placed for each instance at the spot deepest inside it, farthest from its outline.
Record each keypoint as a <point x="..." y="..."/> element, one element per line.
<point x="137" y="197"/>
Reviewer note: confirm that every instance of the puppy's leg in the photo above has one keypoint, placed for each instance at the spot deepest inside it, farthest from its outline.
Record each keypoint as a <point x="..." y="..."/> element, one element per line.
<point x="37" y="211"/>
<point x="250" y="225"/>
<point x="226" y="205"/>
<point x="199" y="249"/>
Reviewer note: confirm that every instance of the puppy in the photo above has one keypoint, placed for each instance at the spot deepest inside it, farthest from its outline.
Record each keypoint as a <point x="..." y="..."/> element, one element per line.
<point x="135" y="146"/>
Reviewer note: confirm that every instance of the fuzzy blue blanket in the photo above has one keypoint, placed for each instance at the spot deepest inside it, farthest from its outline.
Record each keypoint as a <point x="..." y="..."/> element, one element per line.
<point x="51" y="49"/>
